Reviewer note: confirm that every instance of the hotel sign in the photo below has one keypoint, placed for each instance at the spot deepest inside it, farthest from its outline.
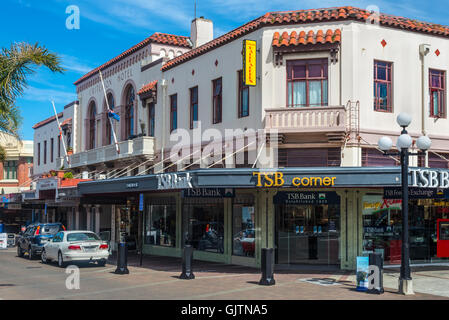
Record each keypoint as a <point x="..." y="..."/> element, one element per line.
<point x="249" y="63"/>
<point x="429" y="178"/>
<point x="276" y="179"/>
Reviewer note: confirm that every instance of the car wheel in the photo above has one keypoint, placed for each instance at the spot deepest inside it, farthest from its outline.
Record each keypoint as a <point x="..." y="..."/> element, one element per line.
<point x="61" y="262"/>
<point x="44" y="257"/>
<point x="101" y="263"/>
<point x="19" y="251"/>
<point x="30" y="254"/>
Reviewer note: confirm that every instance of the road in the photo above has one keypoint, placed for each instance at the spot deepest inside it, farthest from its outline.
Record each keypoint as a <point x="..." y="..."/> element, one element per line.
<point x="158" y="279"/>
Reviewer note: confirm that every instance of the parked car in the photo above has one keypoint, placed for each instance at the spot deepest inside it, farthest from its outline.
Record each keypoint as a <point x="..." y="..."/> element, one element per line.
<point x="75" y="246"/>
<point x="35" y="237"/>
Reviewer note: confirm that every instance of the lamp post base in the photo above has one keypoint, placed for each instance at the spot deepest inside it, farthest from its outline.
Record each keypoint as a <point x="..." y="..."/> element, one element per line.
<point x="406" y="287"/>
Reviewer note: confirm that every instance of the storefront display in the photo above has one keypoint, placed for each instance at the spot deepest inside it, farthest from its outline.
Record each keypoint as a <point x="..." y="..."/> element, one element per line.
<point x="160" y="223"/>
<point x="307" y="227"/>
<point x="243" y="227"/>
<point x="203" y="224"/>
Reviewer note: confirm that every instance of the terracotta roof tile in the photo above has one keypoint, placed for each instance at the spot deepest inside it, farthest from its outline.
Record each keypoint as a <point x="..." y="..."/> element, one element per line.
<point x="148" y="87"/>
<point x="48" y="120"/>
<point x="66" y="122"/>
<point x="293" y="39"/>
<point x="163" y="38"/>
<point x="309" y="16"/>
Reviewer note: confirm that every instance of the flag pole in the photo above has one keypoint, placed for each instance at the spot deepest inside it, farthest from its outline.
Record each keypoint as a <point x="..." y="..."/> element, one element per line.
<point x="60" y="133"/>
<point x="109" y="110"/>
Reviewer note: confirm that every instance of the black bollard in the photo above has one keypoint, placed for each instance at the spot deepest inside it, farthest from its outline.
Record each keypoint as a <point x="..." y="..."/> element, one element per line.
<point x="187" y="258"/>
<point x="122" y="259"/>
<point x="375" y="259"/>
<point x="267" y="266"/>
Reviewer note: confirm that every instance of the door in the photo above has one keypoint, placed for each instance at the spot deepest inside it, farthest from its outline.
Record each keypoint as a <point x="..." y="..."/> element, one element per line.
<point x="443" y="238"/>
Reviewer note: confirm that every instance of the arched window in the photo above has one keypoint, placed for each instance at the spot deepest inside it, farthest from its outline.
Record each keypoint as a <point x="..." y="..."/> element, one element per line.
<point x="111" y="102"/>
<point x="92" y="130"/>
<point x="129" y="111"/>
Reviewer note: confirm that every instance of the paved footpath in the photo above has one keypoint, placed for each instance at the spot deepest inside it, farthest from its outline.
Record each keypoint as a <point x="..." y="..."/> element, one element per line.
<point x="158" y="279"/>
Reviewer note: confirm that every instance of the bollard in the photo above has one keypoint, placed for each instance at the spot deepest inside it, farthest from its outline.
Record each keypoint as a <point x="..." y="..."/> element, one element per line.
<point x="375" y="259"/>
<point x="122" y="259"/>
<point x="267" y="266"/>
<point x="187" y="258"/>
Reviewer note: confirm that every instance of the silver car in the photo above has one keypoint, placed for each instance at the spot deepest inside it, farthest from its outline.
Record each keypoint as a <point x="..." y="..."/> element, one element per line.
<point x="75" y="246"/>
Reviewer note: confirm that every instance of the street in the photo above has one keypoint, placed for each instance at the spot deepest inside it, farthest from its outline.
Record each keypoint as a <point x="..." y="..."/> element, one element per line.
<point x="158" y="279"/>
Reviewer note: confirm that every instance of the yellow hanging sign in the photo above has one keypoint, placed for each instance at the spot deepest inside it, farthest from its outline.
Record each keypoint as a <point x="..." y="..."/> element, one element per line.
<point x="249" y="62"/>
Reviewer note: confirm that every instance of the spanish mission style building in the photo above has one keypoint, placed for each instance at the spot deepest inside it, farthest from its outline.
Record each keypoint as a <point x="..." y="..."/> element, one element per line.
<point x="329" y="83"/>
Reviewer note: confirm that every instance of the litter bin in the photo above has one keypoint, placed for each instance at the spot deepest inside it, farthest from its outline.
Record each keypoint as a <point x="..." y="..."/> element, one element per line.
<point x="187" y="257"/>
<point x="376" y="260"/>
<point x="122" y="259"/>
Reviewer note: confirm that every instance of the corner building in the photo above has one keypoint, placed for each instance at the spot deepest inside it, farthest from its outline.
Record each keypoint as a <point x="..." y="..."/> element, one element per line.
<point x="329" y="81"/>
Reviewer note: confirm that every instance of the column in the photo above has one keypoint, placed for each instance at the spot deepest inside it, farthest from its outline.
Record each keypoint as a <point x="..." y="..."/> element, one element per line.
<point x="88" y="209"/>
<point x="113" y="237"/>
<point x="97" y="219"/>
<point x="77" y="218"/>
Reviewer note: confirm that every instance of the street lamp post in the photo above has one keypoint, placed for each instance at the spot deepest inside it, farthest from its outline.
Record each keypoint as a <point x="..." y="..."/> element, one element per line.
<point x="404" y="142"/>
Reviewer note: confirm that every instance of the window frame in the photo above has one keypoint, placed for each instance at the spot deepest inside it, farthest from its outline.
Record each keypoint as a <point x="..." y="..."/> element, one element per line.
<point x="215" y="99"/>
<point x="173" y="111"/>
<point x="192" y="105"/>
<point x="151" y="119"/>
<point x="442" y="91"/>
<point x="38" y="153"/>
<point x="324" y="62"/>
<point x="45" y="151"/>
<point x="241" y="88"/>
<point x="390" y="68"/>
<point x="52" y="148"/>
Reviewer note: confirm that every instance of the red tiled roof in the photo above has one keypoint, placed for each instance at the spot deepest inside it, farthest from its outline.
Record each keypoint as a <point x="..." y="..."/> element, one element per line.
<point x="48" y="120"/>
<point x="148" y="87"/>
<point x="309" y="16"/>
<point x="66" y="121"/>
<point x="304" y="38"/>
<point x="163" y="38"/>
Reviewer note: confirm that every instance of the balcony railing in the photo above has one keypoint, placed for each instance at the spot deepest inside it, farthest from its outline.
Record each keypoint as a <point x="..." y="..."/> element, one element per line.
<point x="310" y="119"/>
<point x="141" y="146"/>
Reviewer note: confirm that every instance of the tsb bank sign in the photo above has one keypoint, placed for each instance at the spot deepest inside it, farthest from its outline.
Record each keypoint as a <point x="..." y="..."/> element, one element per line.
<point x="428" y="178"/>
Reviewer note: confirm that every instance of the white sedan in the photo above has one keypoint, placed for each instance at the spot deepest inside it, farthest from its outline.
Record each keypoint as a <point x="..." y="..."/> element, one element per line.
<point x="77" y="246"/>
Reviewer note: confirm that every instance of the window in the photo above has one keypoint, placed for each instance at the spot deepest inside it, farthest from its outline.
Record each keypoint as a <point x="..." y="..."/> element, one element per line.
<point x="243" y="227"/>
<point x="109" y="134"/>
<point x="92" y="127"/>
<point x="160" y="225"/>
<point x="45" y="152"/>
<point x="173" y="112"/>
<point x="193" y="106"/>
<point x="307" y="83"/>
<point x="52" y="144"/>
<point x="217" y="100"/>
<point x="243" y="97"/>
<point x="129" y="112"/>
<point x="151" y="119"/>
<point x="437" y="87"/>
<point x="382" y="86"/>
<point x="10" y="170"/>
<point x="38" y="154"/>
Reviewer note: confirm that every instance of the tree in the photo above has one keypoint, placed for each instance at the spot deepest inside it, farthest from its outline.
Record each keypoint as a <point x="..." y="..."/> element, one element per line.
<point x="16" y="63"/>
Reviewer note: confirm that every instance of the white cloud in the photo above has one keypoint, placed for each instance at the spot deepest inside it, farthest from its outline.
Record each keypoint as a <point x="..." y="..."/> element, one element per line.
<point x="73" y="64"/>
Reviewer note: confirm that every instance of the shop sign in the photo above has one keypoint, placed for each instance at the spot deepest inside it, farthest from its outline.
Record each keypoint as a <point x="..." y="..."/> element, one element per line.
<point x="313" y="198"/>
<point x="249" y="62"/>
<point x="276" y="179"/>
<point x="414" y="193"/>
<point x="209" y="193"/>
<point x="14" y="206"/>
<point x="47" y="184"/>
<point x="174" y="181"/>
<point x="428" y="178"/>
<point x="362" y="273"/>
<point x="141" y="202"/>
<point x="132" y="185"/>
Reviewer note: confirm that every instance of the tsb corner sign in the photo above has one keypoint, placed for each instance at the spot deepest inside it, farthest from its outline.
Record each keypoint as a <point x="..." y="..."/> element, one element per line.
<point x="429" y="178"/>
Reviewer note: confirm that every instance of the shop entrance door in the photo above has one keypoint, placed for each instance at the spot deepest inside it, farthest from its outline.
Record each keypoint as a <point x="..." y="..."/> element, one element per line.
<point x="307" y="234"/>
<point x="443" y="238"/>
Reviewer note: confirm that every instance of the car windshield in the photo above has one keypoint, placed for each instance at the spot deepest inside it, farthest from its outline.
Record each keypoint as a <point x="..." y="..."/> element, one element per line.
<point x="52" y="229"/>
<point x="82" y="236"/>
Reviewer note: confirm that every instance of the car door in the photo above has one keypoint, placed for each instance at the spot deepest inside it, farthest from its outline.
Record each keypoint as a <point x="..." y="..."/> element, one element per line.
<point x="25" y="241"/>
<point x="54" y="246"/>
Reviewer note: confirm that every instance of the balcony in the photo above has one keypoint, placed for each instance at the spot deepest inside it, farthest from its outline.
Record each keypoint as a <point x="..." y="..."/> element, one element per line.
<point x="329" y="121"/>
<point x="141" y="146"/>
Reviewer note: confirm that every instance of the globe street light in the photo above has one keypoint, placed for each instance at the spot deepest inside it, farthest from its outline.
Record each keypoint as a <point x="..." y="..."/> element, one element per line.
<point x="403" y="143"/>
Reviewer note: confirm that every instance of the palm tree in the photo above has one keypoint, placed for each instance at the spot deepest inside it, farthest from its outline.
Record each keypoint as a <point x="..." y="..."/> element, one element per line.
<point x="16" y="63"/>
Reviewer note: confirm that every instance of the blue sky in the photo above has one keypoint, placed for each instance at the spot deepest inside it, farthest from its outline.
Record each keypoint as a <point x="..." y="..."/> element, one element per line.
<point x="109" y="27"/>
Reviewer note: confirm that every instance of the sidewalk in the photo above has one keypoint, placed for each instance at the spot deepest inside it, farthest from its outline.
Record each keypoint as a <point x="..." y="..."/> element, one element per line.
<point x="220" y="281"/>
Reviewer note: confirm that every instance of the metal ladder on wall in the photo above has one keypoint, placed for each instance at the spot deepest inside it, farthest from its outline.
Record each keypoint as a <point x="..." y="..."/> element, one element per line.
<point x="353" y="122"/>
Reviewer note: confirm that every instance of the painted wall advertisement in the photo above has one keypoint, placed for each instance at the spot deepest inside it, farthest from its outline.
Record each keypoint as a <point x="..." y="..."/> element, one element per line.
<point x="3" y="241"/>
